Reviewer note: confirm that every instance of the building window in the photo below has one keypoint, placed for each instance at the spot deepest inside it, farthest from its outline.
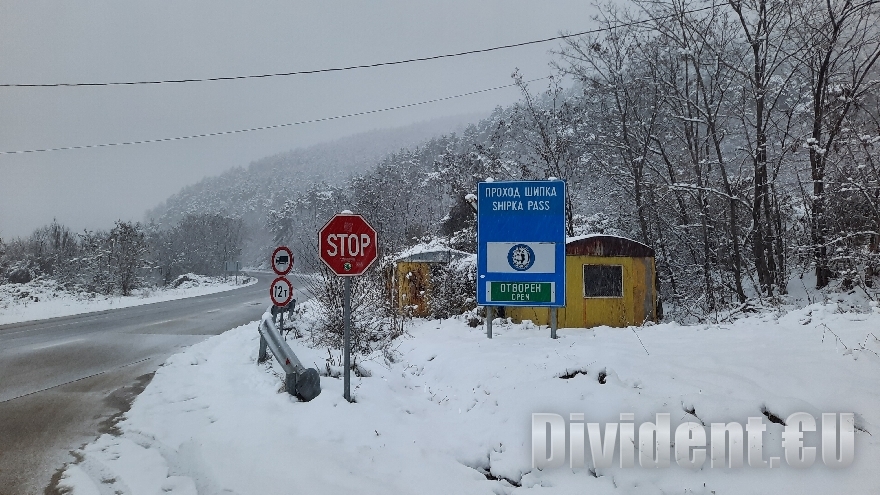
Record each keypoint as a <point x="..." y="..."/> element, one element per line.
<point x="603" y="281"/>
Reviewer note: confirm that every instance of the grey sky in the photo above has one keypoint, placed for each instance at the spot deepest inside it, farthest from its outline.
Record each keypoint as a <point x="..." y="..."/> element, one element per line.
<point x="96" y="41"/>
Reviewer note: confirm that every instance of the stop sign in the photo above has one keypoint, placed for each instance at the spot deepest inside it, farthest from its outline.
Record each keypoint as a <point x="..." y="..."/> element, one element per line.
<point x="347" y="244"/>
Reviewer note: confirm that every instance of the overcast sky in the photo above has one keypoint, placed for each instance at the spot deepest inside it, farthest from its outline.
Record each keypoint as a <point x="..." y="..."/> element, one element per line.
<point x="114" y="40"/>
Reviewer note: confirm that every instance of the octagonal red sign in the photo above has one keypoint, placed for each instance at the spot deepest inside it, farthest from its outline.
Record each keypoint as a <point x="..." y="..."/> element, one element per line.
<point x="347" y="244"/>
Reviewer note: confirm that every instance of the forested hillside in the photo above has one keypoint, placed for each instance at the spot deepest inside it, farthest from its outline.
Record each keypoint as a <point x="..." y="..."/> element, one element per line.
<point x="250" y="192"/>
<point x="737" y="140"/>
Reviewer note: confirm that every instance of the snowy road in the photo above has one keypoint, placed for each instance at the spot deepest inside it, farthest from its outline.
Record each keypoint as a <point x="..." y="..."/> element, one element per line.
<point x="62" y="379"/>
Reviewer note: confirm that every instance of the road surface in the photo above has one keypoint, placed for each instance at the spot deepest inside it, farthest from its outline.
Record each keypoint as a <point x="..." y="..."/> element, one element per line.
<point x="63" y="381"/>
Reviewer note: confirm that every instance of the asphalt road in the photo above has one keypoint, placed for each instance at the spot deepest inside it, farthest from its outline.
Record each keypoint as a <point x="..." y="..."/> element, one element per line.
<point x="64" y="380"/>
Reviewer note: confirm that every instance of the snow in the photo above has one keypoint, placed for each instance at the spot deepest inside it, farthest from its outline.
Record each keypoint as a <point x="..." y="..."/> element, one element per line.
<point x="569" y="240"/>
<point x="448" y="405"/>
<point x="433" y="246"/>
<point x="40" y="299"/>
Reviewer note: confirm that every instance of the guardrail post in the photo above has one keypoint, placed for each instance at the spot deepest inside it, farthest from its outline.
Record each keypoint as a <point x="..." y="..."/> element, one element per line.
<point x="262" y="356"/>
<point x="290" y="383"/>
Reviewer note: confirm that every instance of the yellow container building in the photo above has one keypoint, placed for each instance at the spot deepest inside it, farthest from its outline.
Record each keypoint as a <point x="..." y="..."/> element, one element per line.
<point x="610" y="280"/>
<point x="412" y="283"/>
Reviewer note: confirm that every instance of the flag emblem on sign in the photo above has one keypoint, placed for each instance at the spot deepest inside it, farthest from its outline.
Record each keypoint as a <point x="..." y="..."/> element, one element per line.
<point x="521" y="257"/>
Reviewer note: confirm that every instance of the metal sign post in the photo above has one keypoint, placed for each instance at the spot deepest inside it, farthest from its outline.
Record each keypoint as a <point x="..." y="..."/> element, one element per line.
<point x="348" y="245"/>
<point x="346" y="337"/>
<point x="280" y="310"/>
<point x="281" y="290"/>
<point x="299" y="381"/>
<point x="521" y="245"/>
<point x="233" y="266"/>
<point x="489" y="317"/>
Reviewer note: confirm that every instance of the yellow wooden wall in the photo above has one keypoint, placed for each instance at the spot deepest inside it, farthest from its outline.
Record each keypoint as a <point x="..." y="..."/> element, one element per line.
<point x="414" y="286"/>
<point x="637" y="305"/>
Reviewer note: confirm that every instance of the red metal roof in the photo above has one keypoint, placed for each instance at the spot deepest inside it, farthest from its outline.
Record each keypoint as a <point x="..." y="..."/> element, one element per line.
<point x="606" y="245"/>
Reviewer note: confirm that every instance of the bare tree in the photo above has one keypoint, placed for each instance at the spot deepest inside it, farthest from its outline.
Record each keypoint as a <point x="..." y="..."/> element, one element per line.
<point x="546" y="131"/>
<point x="767" y="26"/>
<point x="625" y="109"/>
<point x="127" y="251"/>
<point x="839" y="47"/>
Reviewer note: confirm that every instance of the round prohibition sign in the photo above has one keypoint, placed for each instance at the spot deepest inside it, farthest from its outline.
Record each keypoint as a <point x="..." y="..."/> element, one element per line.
<point x="282" y="260"/>
<point x="281" y="291"/>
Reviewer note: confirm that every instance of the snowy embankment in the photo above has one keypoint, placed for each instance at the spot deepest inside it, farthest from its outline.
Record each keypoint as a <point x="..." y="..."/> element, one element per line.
<point x="452" y="412"/>
<point x="40" y="299"/>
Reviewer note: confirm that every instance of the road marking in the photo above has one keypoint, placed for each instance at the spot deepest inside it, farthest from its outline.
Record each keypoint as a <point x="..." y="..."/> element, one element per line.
<point x="39" y="324"/>
<point x="75" y="380"/>
<point x="162" y="322"/>
<point x="56" y="344"/>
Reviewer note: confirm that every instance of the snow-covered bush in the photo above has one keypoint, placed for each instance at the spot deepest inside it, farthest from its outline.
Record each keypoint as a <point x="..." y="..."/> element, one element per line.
<point x="374" y="323"/>
<point x="454" y="286"/>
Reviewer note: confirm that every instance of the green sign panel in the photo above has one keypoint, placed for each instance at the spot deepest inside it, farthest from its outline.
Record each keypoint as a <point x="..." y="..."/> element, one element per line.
<point x="520" y="292"/>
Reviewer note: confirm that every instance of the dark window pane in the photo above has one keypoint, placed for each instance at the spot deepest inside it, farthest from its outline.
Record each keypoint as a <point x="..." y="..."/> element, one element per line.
<point x="603" y="281"/>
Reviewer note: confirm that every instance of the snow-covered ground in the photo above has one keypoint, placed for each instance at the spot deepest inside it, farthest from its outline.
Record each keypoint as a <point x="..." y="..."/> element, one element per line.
<point x="451" y="411"/>
<point x="40" y="299"/>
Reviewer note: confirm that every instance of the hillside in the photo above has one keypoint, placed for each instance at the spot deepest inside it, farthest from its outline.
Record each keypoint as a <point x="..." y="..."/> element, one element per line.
<point x="246" y="191"/>
<point x="735" y="207"/>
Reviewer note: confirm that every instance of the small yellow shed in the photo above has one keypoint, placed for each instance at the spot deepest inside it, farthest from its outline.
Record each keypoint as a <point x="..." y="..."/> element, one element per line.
<point x="609" y="281"/>
<point x="412" y="276"/>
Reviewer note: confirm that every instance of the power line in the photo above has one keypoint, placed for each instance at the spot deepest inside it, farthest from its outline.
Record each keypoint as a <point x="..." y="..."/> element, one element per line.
<point x="262" y="128"/>
<point x="353" y="67"/>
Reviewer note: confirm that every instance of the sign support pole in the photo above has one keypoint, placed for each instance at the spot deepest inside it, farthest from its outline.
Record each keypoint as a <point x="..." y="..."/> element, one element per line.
<point x="489" y="317"/>
<point x="553" y="322"/>
<point x="348" y="245"/>
<point x="346" y="318"/>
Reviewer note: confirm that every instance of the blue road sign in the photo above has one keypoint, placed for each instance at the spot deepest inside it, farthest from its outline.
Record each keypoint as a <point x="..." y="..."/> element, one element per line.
<point x="521" y="243"/>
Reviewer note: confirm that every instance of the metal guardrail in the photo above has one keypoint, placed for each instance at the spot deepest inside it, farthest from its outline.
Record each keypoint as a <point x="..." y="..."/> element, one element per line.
<point x="299" y="380"/>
